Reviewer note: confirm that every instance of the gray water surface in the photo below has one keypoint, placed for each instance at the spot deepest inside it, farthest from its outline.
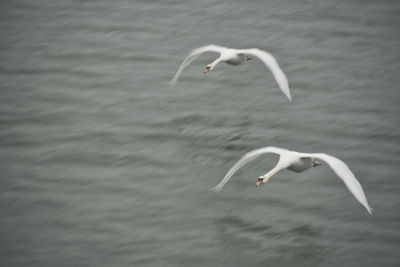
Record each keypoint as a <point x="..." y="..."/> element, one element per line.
<point x="102" y="164"/>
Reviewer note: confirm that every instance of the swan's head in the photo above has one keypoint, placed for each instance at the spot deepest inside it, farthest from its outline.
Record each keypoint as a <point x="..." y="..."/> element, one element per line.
<point x="208" y="68"/>
<point x="316" y="163"/>
<point x="260" y="181"/>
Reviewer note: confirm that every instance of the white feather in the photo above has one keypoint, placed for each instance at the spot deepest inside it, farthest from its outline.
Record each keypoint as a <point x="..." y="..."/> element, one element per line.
<point x="245" y="159"/>
<point x="289" y="159"/>
<point x="344" y="173"/>
<point x="236" y="57"/>
<point x="193" y="55"/>
<point x="272" y="64"/>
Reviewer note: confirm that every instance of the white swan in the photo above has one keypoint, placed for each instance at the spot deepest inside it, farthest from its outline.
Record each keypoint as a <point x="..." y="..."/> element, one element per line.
<point x="236" y="57"/>
<point x="299" y="162"/>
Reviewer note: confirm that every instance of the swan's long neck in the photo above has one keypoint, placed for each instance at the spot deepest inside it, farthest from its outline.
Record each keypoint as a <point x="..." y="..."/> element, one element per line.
<point x="215" y="63"/>
<point x="272" y="172"/>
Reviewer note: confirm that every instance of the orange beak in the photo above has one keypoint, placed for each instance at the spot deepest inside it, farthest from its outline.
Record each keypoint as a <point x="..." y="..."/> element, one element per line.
<point x="207" y="69"/>
<point x="259" y="182"/>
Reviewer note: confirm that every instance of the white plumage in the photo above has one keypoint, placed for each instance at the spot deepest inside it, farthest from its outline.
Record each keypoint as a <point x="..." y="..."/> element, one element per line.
<point x="299" y="162"/>
<point x="237" y="57"/>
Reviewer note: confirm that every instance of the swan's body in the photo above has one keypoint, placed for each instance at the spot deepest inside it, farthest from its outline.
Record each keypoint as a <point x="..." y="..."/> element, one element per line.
<point x="237" y="57"/>
<point x="299" y="162"/>
<point x="232" y="57"/>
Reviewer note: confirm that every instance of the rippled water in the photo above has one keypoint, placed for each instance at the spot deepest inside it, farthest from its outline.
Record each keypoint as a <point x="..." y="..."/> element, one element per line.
<point x="103" y="165"/>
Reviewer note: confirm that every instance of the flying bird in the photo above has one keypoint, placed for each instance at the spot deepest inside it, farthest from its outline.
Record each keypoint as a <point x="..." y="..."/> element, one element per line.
<point x="237" y="57"/>
<point x="299" y="162"/>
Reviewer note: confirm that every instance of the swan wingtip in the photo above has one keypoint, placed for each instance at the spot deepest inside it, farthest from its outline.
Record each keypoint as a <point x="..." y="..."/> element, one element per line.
<point x="370" y="210"/>
<point x="215" y="189"/>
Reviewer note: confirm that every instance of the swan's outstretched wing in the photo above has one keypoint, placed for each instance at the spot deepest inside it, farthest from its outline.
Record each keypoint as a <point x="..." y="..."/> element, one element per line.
<point x="271" y="63"/>
<point x="343" y="171"/>
<point x="247" y="158"/>
<point x="192" y="56"/>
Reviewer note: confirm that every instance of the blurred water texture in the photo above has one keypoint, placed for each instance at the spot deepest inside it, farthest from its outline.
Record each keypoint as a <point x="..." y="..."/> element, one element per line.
<point x="103" y="165"/>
